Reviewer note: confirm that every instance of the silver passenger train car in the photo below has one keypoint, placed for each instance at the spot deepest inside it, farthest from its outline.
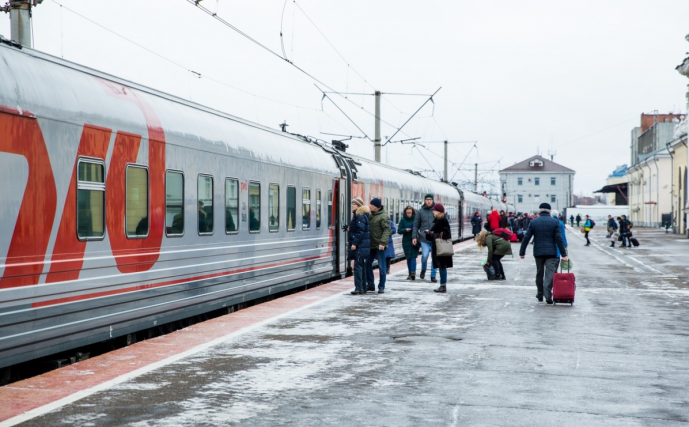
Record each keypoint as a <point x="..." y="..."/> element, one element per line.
<point x="124" y="208"/>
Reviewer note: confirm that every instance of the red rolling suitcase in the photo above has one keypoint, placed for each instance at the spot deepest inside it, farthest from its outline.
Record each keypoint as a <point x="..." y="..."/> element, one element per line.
<point x="564" y="287"/>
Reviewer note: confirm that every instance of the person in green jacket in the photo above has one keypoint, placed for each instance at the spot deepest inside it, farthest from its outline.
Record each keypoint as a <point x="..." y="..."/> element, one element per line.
<point x="497" y="249"/>
<point x="379" y="226"/>
<point x="411" y="251"/>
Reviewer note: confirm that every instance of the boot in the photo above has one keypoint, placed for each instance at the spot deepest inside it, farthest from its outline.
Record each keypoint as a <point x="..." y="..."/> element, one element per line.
<point x="409" y="277"/>
<point x="434" y="280"/>
<point x="612" y="244"/>
<point x="387" y="271"/>
<point x="422" y="275"/>
<point x="413" y="275"/>
<point x="441" y="289"/>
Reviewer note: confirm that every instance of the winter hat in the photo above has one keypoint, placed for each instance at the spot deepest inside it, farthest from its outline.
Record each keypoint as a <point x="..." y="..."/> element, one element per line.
<point x="358" y="201"/>
<point x="428" y="196"/>
<point x="376" y="202"/>
<point x="544" y="207"/>
<point x="476" y="213"/>
<point x="439" y="208"/>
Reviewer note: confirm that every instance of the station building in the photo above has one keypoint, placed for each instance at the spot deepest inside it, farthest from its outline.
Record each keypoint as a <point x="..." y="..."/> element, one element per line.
<point x="536" y="180"/>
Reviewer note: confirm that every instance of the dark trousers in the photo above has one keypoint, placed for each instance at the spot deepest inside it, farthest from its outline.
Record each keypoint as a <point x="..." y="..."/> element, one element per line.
<point x="546" y="266"/>
<point x="588" y="242"/>
<point x="360" y="274"/>
<point x="497" y="265"/>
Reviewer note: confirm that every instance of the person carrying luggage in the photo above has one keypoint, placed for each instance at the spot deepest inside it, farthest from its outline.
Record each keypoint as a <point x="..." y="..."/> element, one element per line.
<point x="359" y="244"/>
<point x="545" y="231"/>
<point x="498" y="247"/>
<point x="494" y="219"/>
<point x="422" y="224"/>
<point x="379" y="225"/>
<point x="588" y="225"/>
<point x="411" y="251"/>
<point x="440" y="230"/>
<point x="476" y="221"/>
<point x="390" y="251"/>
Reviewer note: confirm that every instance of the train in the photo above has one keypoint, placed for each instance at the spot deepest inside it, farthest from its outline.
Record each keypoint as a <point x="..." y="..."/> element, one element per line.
<point x="124" y="207"/>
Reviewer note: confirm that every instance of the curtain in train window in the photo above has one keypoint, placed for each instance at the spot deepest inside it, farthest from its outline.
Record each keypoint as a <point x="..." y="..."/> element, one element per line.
<point x="136" y="218"/>
<point x="291" y="208"/>
<point x="90" y="200"/>
<point x="205" y="204"/>
<point x="254" y="207"/>
<point x="174" y="203"/>
<point x="330" y="209"/>
<point x="231" y="205"/>
<point x="319" y="206"/>
<point x="305" y="209"/>
<point x="273" y="207"/>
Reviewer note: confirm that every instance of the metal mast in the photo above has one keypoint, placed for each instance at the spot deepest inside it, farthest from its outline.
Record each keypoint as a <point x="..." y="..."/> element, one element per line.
<point x="20" y="19"/>
<point x="377" y="136"/>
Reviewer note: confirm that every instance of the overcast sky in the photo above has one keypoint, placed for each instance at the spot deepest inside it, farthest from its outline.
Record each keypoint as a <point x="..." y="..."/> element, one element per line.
<point x="515" y="75"/>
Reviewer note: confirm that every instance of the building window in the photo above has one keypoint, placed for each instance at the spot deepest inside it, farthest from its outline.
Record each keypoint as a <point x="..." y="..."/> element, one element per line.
<point x="519" y="181"/>
<point x="292" y="208"/>
<point x="174" y="204"/>
<point x="319" y="207"/>
<point x="136" y="220"/>
<point x="273" y="207"/>
<point x="305" y="209"/>
<point x="254" y="207"/>
<point x="231" y="206"/>
<point x="552" y="199"/>
<point x="330" y="209"/>
<point x="537" y="181"/>
<point x="553" y="180"/>
<point x="520" y="198"/>
<point x="536" y="198"/>
<point x="205" y="204"/>
<point x="91" y="200"/>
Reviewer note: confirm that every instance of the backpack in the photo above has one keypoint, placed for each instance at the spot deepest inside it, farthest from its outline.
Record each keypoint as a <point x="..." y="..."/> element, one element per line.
<point x="504" y="233"/>
<point x="593" y="223"/>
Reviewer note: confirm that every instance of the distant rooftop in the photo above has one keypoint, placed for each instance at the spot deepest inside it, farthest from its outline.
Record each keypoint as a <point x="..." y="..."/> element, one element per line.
<point x="537" y="164"/>
<point x="620" y="171"/>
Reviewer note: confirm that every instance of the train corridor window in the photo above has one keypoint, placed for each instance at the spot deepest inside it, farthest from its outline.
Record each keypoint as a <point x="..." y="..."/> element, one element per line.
<point x="273" y="207"/>
<point x="174" y="204"/>
<point x="254" y="207"/>
<point x="90" y="200"/>
<point x="231" y="206"/>
<point x="319" y="207"/>
<point x="291" y="208"/>
<point x="330" y="209"/>
<point x="306" y="209"/>
<point x="136" y="218"/>
<point x="205" y="204"/>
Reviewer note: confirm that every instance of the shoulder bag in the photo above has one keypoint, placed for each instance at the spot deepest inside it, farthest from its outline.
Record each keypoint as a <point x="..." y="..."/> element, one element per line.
<point x="444" y="247"/>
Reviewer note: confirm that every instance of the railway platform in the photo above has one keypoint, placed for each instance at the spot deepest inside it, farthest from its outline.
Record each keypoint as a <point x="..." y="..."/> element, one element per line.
<point x="485" y="353"/>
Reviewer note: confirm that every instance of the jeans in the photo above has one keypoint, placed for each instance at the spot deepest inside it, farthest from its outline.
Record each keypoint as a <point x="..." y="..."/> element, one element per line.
<point x="359" y="274"/>
<point x="443" y="276"/>
<point x="411" y="265"/>
<point x="380" y="256"/>
<point x="497" y="265"/>
<point x="425" y="252"/>
<point x="625" y="240"/>
<point x="546" y="266"/>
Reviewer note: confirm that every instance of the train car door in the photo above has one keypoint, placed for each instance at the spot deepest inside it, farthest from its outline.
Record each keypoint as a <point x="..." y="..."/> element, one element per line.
<point x="342" y="223"/>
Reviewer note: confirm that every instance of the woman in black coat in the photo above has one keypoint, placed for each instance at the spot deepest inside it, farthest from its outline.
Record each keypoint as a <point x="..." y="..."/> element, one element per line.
<point x="440" y="230"/>
<point x="359" y="244"/>
<point x="476" y="221"/>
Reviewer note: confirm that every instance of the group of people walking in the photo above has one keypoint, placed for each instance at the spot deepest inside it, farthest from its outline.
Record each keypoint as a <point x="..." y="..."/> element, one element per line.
<point x="370" y="238"/>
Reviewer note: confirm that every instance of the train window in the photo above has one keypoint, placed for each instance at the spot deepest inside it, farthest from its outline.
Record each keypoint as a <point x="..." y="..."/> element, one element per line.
<point x="91" y="200"/>
<point x="319" y="205"/>
<point x="330" y="209"/>
<point x="254" y="207"/>
<point x="231" y="206"/>
<point x="273" y="207"/>
<point x="305" y="209"/>
<point x="342" y="211"/>
<point x="205" y="204"/>
<point x="291" y="208"/>
<point x="174" y="204"/>
<point x="136" y="218"/>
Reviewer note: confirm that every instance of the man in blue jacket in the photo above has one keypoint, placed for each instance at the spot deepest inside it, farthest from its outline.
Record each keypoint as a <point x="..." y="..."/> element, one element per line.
<point x="545" y="231"/>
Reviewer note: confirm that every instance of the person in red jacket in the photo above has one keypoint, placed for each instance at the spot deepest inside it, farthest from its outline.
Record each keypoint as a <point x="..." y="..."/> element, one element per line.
<point x="494" y="220"/>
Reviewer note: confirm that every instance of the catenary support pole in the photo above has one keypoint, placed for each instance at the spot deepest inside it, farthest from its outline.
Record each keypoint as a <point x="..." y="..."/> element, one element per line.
<point x="377" y="140"/>
<point x="445" y="157"/>
<point x="475" y="177"/>
<point x="20" y="21"/>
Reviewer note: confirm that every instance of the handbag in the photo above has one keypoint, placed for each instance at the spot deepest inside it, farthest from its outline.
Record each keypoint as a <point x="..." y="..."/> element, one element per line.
<point x="583" y="230"/>
<point x="443" y="247"/>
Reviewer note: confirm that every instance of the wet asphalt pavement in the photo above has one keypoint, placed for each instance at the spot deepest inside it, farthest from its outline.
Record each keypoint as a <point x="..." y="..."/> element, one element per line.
<point x="484" y="354"/>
